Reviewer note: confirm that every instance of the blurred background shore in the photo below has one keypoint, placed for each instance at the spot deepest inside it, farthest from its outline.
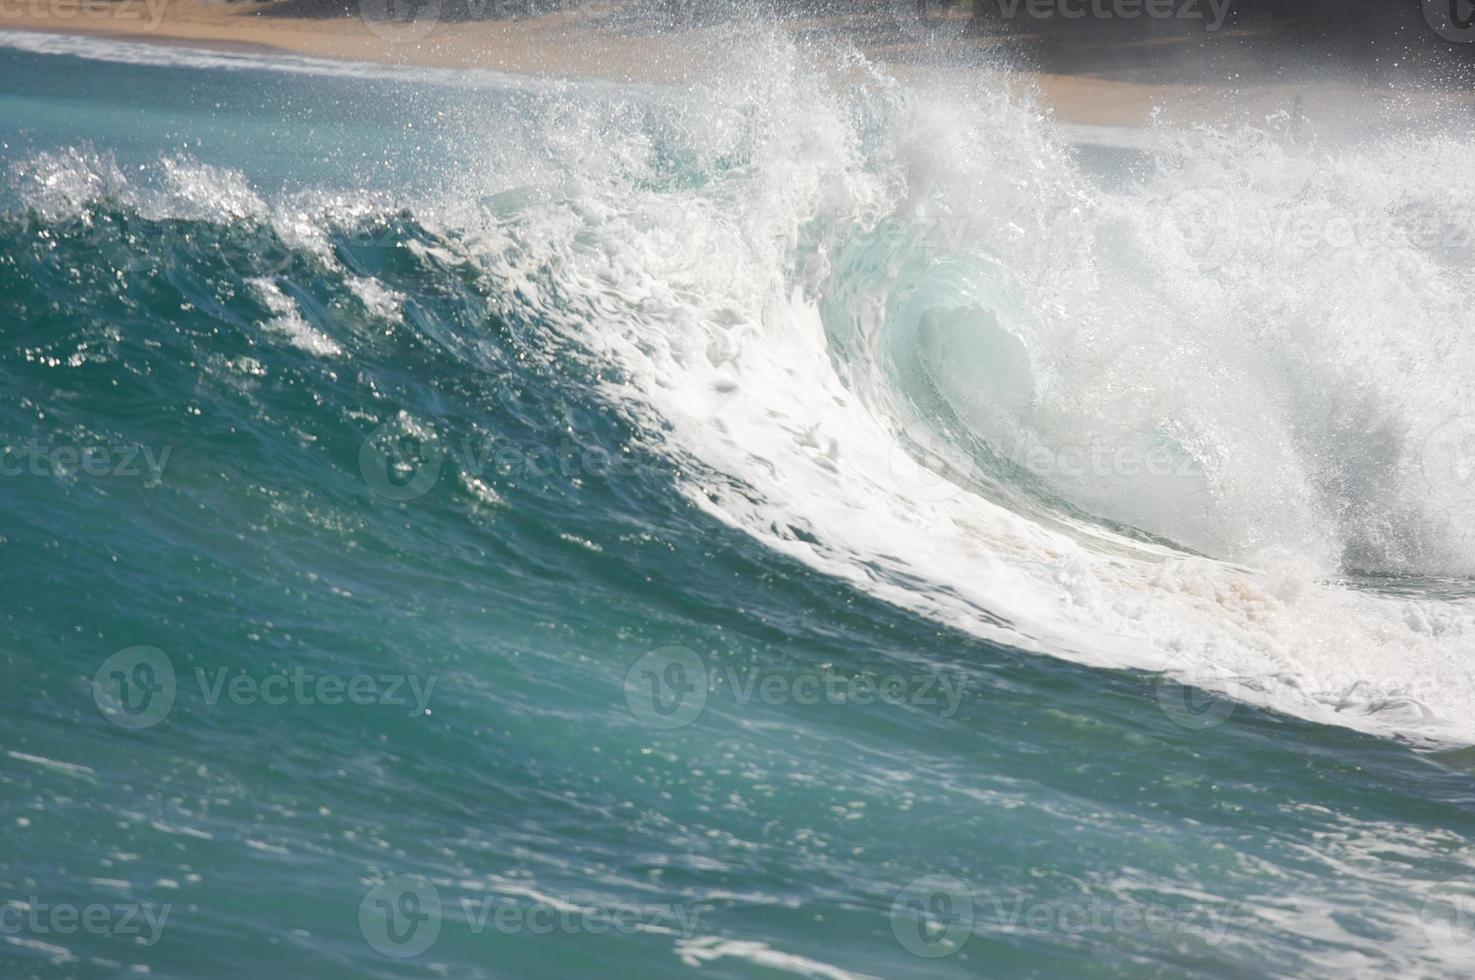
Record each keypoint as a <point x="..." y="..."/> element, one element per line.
<point x="1102" y="62"/>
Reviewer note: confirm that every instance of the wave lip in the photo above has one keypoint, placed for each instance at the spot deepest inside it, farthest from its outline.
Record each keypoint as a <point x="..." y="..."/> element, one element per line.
<point x="1193" y="419"/>
<point x="1168" y="445"/>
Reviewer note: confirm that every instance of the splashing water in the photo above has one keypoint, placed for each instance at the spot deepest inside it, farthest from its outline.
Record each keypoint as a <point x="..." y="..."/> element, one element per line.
<point x="883" y="375"/>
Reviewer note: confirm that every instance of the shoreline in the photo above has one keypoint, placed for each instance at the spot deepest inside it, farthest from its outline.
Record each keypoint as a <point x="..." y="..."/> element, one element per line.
<point x="580" y="45"/>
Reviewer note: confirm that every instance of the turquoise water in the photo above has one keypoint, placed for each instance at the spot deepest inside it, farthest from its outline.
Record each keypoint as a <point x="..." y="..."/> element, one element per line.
<point x="414" y="564"/>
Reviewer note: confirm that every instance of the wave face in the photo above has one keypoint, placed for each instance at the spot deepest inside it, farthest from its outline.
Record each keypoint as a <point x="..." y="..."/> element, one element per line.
<point x="804" y="368"/>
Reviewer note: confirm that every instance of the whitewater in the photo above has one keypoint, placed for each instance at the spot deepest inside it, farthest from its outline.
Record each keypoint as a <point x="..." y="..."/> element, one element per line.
<point x="1199" y="412"/>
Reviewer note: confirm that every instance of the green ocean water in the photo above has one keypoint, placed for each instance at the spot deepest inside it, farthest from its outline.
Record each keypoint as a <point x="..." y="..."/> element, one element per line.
<point x="361" y="617"/>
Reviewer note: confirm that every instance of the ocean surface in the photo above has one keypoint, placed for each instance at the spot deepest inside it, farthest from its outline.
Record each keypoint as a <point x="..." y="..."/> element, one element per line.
<point x="801" y="524"/>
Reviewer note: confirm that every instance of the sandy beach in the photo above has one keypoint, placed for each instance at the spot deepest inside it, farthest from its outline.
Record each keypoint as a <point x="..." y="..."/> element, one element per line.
<point x="603" y="39"/>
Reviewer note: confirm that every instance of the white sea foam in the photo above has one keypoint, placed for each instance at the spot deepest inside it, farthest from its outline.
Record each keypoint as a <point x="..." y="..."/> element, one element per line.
<point x="287" y="321"/>
<point x="180" y="56"/>
<point x="1299" y="385"/>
